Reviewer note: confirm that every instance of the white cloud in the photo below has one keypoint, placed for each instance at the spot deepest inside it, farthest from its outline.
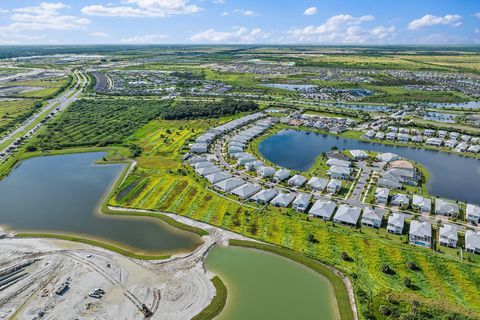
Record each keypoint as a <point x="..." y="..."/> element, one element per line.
<point x="247" y="13"/>
<point x="311" y="11"/>
<point x="143" y="8"/>
<point x="431" y="20"/>
<point x="343" y="28"/>
<point x="477" y="30"/>
<point x="99" y="34"/>
<point x="145" y="39"/>
<point x="45" y="16"/>
<point x="238" y="35"/>
<point x="477" y="15"/>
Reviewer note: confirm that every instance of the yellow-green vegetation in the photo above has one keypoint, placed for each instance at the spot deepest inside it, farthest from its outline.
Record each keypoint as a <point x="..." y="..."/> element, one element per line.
<point x="14" y="111"/>
<point x="47" y="87"/>
<point x="339" y="287"/>
<point x="162" y="182"/>
<point x="92" y="242"/>
<point x="217" y="304"/>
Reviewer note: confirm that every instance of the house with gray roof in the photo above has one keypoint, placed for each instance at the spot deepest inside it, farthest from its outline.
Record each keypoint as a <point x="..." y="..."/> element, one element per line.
<point x="421" y="203"/>
<point x="265" y="171"/>
<point x="372" y="217"/>
<point x="395" y="223"/>
<point x="199" y="148"/>
<point x="473" y="213"/>
<point x="334" y="186"/>
<point x="297" y="180"/>
<point x="323" y="209"/>
<point x="283" y="200"/>
<point x="202" y="164"/>
<point x="234" y="149"/>
<point x="359" y="154"/>
<point x="472" y="241"/>
<point x="337" y="172"/>
<point x="446" y="208"/>
<point x="420" y="233"/>
<point x="338" y="163"/>
<point x="436" y="142"/>
<point x="317" y="184"/>
<point x="229" y="184"/>
<point x="246" y="191"/>
<point x="302" y="202"/>
<point x="251" y="166"/>
<point x="347" y="215"/>
<point x="401" y="200"/>
<point x="281" y="175"/>
<point x="246" y="159"/>
<point x="195" y="159"/>
<point x="218" y="176"/>
<point x="263" y="197"/>
<point x="448" y="235"/>
<point x="388" y="157"/>
<point x="205" y="171"/>
<point x="381" y="195"/>
<point x="388" y="181"/>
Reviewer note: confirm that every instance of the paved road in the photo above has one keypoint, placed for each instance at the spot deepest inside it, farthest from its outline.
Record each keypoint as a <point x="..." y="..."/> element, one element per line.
<point x="64" y="100"/>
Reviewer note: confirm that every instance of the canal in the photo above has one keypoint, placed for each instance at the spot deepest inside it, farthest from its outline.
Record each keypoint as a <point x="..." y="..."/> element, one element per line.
<point x="63" y="193"/>
<point x="451" y="175"/>
<point x="262" y="285"/>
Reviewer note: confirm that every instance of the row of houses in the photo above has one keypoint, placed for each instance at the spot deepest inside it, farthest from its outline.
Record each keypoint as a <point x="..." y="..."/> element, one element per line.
<point x="443" y="207"/>
<point x="455" y="141"/>
<point x="203" y="142"/>
<point x="331" y="124"/>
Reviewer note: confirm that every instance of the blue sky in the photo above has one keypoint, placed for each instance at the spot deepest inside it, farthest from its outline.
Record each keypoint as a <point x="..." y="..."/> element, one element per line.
<point x="235" y="21"/>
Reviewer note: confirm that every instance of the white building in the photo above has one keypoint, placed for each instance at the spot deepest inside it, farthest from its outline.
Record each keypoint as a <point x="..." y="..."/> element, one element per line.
<point x="323" y="209"/>
<point x="448" y="235"/>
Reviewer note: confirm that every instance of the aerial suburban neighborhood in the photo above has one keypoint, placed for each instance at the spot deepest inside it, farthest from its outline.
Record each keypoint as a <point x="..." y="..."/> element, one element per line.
<point x="225" y="159"/>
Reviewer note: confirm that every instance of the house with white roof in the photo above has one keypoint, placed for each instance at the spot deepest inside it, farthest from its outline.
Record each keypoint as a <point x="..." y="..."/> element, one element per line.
<point x="202" y="164"/>
<point x="218" y="176"/>
<point x="421" y="203"/>
<point x="301" y="202"/>
<point x="448" y="235"/>
<point x="359" y="154"/>
<point x="446" y="208"/>
<point x="334" y="186"/>
<point x="347" y="215"/>
<point x="205" y="171"/>
<point x="472" y="241"/>
<point x="263" y="197"/>
<point x="281" y="175"/>
<point x="196" y="159"/>
<point x="246" y="191"/>
<point x="395" y="223"/>
<point x="234" y="149"/>
<point x="420" y="233"/>
<point x="473" y="213"/>
<point x="372" y="217"/>
<point x="199" y="148"/>
<point x="317" y="184"/>
<point x="436" y="142"/>
<point x="246" y="159"/>
<point x="381" y="195"/>
<point x="297" y="180"/>
<point x="323" y="209"/>
<point x="265" y="171"/>
<point x="283" y="200"/>
<point x="338" y="163"/>
<point x="401" y="200"/>
<point x="229" y="184"/>
<point x="388" y="157"/>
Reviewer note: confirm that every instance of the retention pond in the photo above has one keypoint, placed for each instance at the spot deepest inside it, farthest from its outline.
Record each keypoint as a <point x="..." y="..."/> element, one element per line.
<point x="63" y="194"/>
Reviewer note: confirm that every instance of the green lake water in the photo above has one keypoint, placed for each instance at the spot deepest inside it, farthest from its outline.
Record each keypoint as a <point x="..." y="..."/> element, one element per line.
<point x="264" y="286"/>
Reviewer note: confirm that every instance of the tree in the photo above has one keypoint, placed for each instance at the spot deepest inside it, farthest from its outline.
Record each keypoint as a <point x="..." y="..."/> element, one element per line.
<point x="407" y="281"/>
<point x="311" y="238"/>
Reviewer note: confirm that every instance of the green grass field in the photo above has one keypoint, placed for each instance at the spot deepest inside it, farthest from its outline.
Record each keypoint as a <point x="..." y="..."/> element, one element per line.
<point x="13" y="112"/>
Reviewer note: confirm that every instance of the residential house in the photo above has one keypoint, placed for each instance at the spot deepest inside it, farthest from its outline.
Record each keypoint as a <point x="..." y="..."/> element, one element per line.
<point x="380" y="135"/>
<point x="381" y="195"/>
<point x="281" y="175"/>
<point x="323" y="209"/>
<point x="401" y="200"/>
<point x="421" y="203"/>
<point x="218" y="176"/>
<point x="474" y="149"/>
<point x="473" y="213"/>
<point x="253" y="165"/>
<point x="199" y="148"/>
<point x="429" y="132"/>
<point x="229" y="184"/>
<point x="448" y="235"/>
<point x="297" y="180"/>
<point x="263" y="197"/>
<point x="282" y="199"/>
<point x="301" y="202"/>
<point x="461" y="147"/>
<point x="334" y="186"/>
<point x="246" y="191"/>
<point x="446" y="208"/>
<point x="347" y="215"/>
<point x="205" y="171"/>
<point x="265" y="171"/>
<point x="333" y="162"/>
<point x="317" y="184"/>
<point x="359" y="154"/>
<point x="436" y="142"/>
<point x="450" y="143"/>
<point x="420" y="233"/>
<point x="337" y="172"/>
<point x="246" y="159"/>
<point x="388" y="157"/>
<point x="417" y="139"/>
<point x="391" y="136"/>
<point x="472" y="241"/>
<point x="395" y="223"/>
<point x="372" y="217"/>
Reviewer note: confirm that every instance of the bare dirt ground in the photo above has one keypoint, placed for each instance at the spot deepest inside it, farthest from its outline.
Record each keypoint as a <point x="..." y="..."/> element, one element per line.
<point x="32" y="270"/>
